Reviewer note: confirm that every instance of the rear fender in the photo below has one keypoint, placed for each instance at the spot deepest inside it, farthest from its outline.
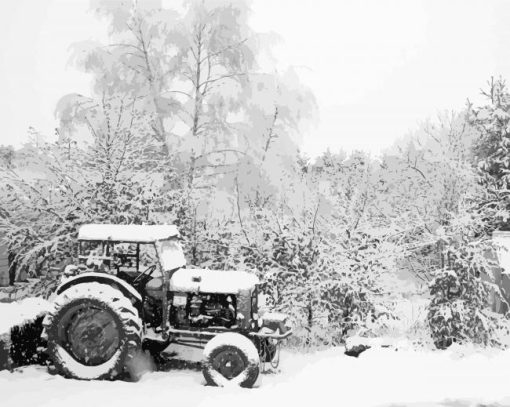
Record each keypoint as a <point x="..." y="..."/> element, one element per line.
<point x="115" y="282"/>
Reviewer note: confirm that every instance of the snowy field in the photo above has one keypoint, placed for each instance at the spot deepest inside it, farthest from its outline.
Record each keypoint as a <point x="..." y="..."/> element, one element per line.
<point x="395" y="376"/>
<point x="379" y="377"/>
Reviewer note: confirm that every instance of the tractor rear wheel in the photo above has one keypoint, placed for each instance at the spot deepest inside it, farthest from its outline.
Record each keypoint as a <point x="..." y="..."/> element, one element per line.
<point x="93" y="332"/>
<point x="231" y="358"/>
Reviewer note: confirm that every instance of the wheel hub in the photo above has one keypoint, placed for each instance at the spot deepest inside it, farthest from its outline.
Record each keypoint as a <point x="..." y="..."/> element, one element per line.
<point x="92" y="335"/>
<point x="228" y="363"/>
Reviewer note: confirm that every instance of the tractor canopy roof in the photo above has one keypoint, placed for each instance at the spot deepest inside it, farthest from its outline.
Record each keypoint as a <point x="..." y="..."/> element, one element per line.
<point x="127" y="233"/>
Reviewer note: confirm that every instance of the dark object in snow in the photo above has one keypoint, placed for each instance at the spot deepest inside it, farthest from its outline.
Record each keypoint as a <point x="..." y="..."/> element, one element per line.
<point x="23" y="345"/>
<point x="27" y="346"/>
<point x="95" y="330"/>
<point x="5" y="357"/>
<point x="356" y="350"/>
<point x="444" y="343"/>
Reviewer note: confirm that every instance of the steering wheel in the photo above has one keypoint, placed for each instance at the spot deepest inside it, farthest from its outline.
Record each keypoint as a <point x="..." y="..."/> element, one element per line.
<point x="145" y="274"/>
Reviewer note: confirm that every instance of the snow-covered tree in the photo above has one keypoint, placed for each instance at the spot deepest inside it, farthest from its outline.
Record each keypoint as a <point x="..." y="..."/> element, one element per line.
<point x="492" y="149"/>
<point x="115" y="178"/>
<point x="195" y="72"/>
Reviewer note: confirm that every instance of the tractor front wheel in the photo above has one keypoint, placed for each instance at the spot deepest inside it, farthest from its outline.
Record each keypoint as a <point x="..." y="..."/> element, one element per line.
<point x="231" y="358"/>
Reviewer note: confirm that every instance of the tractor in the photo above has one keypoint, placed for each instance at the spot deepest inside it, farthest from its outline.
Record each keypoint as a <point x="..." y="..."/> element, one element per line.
<point x="130" y="292"/>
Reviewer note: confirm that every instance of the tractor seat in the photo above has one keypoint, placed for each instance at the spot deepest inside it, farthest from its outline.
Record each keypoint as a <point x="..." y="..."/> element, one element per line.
<point x="153" y="287"/>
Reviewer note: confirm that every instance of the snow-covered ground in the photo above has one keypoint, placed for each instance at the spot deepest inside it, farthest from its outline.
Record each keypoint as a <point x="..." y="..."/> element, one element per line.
<point x="379" y="377"/>
<point x="394" y="376"/>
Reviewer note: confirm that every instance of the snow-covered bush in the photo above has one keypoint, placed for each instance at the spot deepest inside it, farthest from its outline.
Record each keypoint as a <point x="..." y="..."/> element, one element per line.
<point x="316" y="251"/>
<point x="462" y="293"/>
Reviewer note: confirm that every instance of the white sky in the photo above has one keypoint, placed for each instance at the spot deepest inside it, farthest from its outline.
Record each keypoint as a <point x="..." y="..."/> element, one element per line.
<point x="377" y="67"/>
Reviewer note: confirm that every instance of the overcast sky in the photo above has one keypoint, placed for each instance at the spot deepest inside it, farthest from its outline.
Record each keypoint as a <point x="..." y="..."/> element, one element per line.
<point x="377" y="67"/>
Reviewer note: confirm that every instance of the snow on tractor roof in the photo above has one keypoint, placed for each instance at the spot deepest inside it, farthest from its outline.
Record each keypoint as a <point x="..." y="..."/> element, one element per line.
<point x="127" y="233"/>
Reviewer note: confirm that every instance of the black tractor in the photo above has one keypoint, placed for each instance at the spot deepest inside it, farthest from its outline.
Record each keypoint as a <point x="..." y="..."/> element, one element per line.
<point x="130" y="291"/>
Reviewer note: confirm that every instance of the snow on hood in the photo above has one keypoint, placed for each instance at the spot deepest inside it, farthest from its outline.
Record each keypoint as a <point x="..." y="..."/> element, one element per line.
<point x="212" y="281"/>
<point x="127" y="233"/>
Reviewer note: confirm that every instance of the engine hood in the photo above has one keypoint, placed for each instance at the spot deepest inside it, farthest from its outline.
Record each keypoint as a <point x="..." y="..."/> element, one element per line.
<point x="212" y="281"/>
